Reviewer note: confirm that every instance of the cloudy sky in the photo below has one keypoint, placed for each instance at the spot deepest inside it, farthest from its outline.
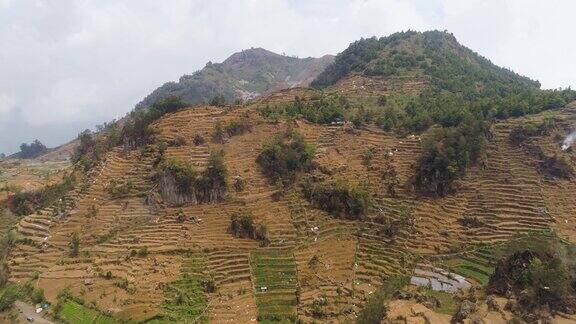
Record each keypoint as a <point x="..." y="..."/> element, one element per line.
<point x="67" y="65"/>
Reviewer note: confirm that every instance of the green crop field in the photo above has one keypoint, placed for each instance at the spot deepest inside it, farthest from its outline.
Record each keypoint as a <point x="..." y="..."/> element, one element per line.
<point x="277" y="272"/>
<point x="73" y="312"/>
<point x="185" y="299"/>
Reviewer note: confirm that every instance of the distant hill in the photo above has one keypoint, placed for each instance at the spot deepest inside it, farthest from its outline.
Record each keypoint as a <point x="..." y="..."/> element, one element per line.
<point x="244" y="75"/>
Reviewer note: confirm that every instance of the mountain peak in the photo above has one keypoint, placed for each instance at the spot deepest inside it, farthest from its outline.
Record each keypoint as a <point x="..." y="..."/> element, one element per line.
<point x="243" y="75"/>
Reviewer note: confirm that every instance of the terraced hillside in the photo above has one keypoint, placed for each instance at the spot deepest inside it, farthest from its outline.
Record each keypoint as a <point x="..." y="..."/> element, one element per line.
<point x="317" y="244"/>
<point x="315" y="265"/>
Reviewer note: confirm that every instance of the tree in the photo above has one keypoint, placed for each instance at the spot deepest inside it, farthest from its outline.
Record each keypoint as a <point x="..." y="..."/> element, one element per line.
<point x="32" y="150"/>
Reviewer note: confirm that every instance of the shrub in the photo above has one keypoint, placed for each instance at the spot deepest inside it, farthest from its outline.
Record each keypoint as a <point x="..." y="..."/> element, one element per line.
<point x="6" y="244"/>
<point x="208" y="285"/>
<point x="338" y="198"/>
<point x="74" y="245"/>
<point x="8" y="296"/>
<point x="219" y="135"/>
<point x="177" y="141"/>
<point x="180" y="216"/>
<point x="392" y="226"/>
<point x="37" y="296"/>
<point x="389" y="175"/>
<point x="471" y="221"/>
<point x="556" y="167"/>
<point x="211" y="185"/>
<point x="284" y="156"/>
<point x="238" y="127"/>
<point x="382" y="101"/>
<point x="368" y="156"/>
<point x="239" y="183"/>
<point x="199" y="140"/>
<point x="119" y="190"/>
<point x="242" y="225"/>
<point x="520" y="134"/>
<point x="142" y="252"/>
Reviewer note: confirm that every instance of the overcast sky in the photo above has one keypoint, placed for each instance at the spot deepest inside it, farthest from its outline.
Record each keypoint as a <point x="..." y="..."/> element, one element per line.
<point x="67" y="65"/>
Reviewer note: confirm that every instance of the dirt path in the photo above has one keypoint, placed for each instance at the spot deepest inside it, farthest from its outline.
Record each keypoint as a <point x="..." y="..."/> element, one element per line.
<point x="26" y="311"/>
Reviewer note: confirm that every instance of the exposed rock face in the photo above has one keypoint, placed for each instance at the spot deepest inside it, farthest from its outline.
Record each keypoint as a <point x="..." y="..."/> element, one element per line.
<point x="171" y="194"/>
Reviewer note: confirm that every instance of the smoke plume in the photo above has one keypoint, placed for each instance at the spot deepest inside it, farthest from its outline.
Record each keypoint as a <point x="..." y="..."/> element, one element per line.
<point x="569" y="140"/>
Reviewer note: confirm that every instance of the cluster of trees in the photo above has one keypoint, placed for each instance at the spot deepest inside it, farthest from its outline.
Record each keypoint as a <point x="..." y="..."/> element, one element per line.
<point x="93" y="146"/>
<point x="242" y="225"/>
<point x="448" y="152"/>
<point x="322" y="109"/>
<point x="284" y="156"/>
<point x="539" y="271"/>
<point x="206" y="186"/>
<point x="26" y="202"/>
<point x="339" y="198"/>
<point x="396" y="63"/>
<point x="137" y="131"/>
<point x="357" y="57"/>
<point x="32" y="150"/>
<point x="26" y="292"/>
<point x="218" y="101"/>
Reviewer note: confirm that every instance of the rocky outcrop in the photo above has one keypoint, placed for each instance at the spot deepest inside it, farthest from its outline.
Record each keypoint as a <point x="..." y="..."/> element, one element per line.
<point x="202" y="191"/>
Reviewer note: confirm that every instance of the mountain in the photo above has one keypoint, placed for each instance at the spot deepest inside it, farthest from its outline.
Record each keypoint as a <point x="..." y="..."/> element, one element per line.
<point x="244" y="75"/>
<point x="433" y="55"/>
<point x="412" y="171"/>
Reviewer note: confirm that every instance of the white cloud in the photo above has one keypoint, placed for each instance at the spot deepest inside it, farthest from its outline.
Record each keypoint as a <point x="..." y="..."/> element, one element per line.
<point x="7" y="103"/>
<point x="71" y="63"/>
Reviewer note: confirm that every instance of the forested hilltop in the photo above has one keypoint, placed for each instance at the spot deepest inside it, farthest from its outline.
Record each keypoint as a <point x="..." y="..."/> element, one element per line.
<point x="464" y="93"/>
